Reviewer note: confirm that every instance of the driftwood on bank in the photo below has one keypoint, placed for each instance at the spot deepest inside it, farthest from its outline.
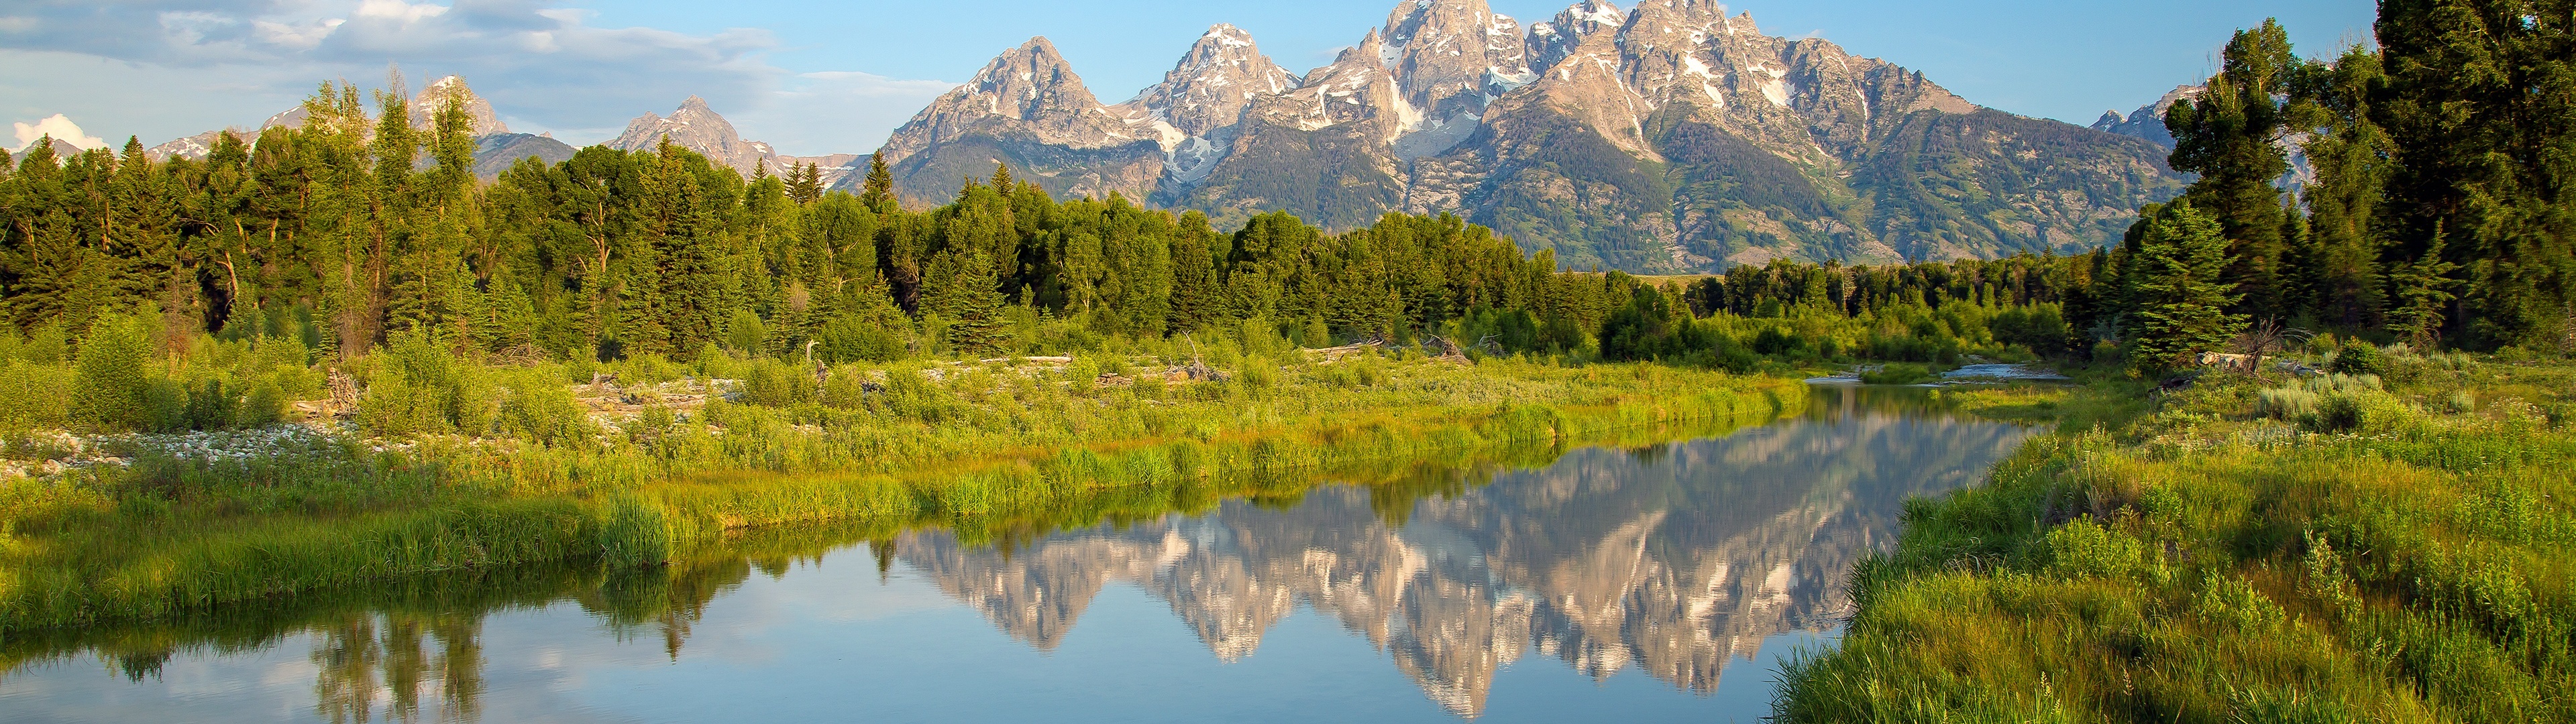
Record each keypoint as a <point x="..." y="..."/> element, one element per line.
<point x="1335" y="354"/>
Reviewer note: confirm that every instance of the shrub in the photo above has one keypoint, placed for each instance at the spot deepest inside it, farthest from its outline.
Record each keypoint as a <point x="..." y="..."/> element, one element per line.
<point x="1774" y="341"/>
<point x="2338" y="412"/>
<point x="541" y="409"/>
<point x="770" y="383"/>
<point x="744" y="333"/>
<point x="2462" y="403"/>
<point x="418" y="387"/>
<point x="40" y="395"/>
<point x="2287" y="403"/>
<point x="2358" y="358"/>
<point x="109" y="385"/>
<point x="851" y="339"/>
<point x="1897" y="373"/>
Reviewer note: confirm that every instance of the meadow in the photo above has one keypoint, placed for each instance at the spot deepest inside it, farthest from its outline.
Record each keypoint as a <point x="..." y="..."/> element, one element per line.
<point x="2383" y="542"/>
<point x="448" y="465"/>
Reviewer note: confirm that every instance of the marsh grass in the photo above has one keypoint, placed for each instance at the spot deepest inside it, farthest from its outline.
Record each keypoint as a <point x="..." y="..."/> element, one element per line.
<point x="975" y="448"/>
<point x="2400" y="560"/>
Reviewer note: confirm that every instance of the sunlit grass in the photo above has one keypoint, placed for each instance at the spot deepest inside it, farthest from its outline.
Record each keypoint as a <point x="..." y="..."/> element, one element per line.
<point x="984" y="450"/>
<point x="2208" y="559"/>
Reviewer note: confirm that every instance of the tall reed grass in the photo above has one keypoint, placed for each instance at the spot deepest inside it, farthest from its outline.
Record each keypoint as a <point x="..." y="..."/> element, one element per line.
<point x="944" y="445"/>
<point x="2402" y="559"/>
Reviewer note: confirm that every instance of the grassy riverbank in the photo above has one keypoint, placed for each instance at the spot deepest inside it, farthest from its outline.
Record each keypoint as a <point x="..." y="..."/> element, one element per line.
<point x="2253" y="548"/>
<point x="177" y="532"/>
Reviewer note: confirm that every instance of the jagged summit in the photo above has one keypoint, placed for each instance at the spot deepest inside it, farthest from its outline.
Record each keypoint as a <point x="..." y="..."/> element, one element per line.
<point x="1454" y="56"/>
<point x="696" y="127"/>
<point x="1192" y="113"/>
<point x="2148" y="121"/>
<point x="1213" y="83"/>
<point x="1553" y="41"/>
<point x="1029" y="110"/>
<point x="1676" y="136"/>
<point x="424" y="106"/>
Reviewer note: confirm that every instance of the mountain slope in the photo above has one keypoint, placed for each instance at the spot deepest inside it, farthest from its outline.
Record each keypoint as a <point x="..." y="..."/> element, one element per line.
<point x="1670" y="138"/>
<point x="1026" y="109"/>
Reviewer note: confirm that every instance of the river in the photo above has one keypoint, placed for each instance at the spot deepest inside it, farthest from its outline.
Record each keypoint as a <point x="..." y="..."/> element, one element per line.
<point x="1659" y="583"/>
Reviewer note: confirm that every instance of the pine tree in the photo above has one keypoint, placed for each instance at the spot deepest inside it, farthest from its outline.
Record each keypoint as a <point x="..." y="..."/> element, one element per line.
<point x="1197" y="291"/>
<point x="2181" y="298"/>
<point x="2226" y="135"/>
<point x="878" y="192"/>
<point x="2423" y="291"/>
<point x="805" y="183"/>
<point x="2352" y="159"/>
<point x="2480" y="109"/>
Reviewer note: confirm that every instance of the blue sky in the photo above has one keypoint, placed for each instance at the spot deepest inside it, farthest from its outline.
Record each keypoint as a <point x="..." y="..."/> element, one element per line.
<point x="822" y="77"/>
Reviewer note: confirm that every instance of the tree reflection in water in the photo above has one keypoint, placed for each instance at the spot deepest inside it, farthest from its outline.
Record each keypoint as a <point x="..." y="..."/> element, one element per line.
<point x="1672" y="557"/>
<point x="1675" y="558"/>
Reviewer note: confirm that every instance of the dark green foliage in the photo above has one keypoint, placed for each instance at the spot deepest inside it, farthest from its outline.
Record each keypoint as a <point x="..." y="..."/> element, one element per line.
<point x="2357" y="357"/>
<point x="2041" y="328"/>
<point x="2226" y="136"/>
<point x="1650" y="327"/>
<point x="2181" y="300"/>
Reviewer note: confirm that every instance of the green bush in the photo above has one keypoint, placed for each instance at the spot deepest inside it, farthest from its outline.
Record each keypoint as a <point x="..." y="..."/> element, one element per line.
<point x="769" y="383"/>
<point x="2358" y="358"/>
<point x="851" y="339"/>
<point x="110" y="385"/>
<point x="418" y="387"/>
<point x="540" y="409"/>
<point x="40" y="394"/>
<point x="2287" y="403"/>
<point x="2338" y="412"/>
<point x="1897" y="373"/>
<point x="744" y="334"/>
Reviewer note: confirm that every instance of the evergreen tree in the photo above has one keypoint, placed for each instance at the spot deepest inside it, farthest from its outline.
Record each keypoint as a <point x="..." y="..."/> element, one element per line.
<point x="2351" y="158"/>
<point x="805" y="183"/>
<point x="878" y="191"/>
<point x="2423" y="291"/>
<point x="2480" y="107"/>
<point x="2181" y="299"/>
<point x="2226" y="135"/>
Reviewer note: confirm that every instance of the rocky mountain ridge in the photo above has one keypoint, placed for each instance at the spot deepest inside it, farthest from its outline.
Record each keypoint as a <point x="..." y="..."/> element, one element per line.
<point x="697" y="127"/>
<point x="1672" y="137"/>
<point x="2148" y="121"/>
<point x="693" y="125"/>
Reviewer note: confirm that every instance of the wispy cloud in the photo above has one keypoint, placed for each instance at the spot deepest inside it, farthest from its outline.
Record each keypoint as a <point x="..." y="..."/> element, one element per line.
<point x="538" y="61"/>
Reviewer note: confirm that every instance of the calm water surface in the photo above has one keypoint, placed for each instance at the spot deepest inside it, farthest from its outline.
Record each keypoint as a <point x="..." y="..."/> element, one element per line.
<point x="1653" y="584"/>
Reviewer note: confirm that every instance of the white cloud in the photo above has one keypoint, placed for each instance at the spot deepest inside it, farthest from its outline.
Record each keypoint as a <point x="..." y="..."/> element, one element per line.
<point x="296" y="36"/>
<point x="542" y="64"/>
<point x="533" y="59"/>
<point x="399" y="11"/>
<point x="61" y="128"/>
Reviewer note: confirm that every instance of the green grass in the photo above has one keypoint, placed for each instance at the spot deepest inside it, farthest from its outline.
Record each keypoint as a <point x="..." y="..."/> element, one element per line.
<point x="982" y="450"/>
<point x="2225" y="554"/>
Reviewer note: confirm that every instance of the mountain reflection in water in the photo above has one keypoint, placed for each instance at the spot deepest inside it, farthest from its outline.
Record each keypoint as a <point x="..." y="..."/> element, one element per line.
<point x="1675" y="558"/>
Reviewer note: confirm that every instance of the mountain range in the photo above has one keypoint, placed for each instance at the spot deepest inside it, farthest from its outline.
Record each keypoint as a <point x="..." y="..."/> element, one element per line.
<point x="1668" y="138"/>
